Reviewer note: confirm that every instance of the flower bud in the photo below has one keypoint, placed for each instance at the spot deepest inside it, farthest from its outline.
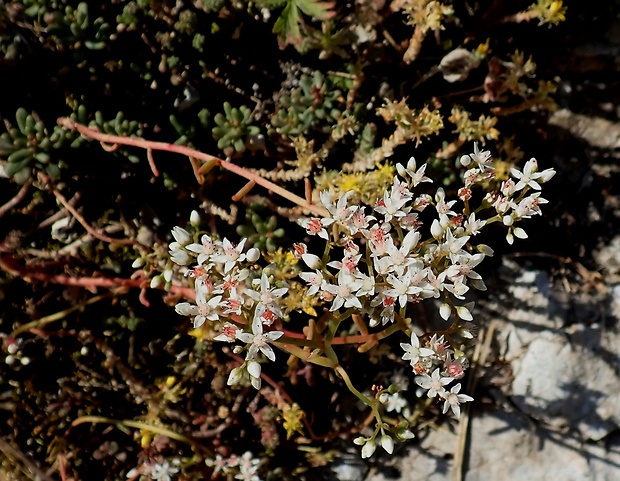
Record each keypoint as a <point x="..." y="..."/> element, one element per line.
<point x="436" y="229"/>
<point x="252" y="255"/>
<point x="194" y="218"/>
<point x="444" y="311"/>
<point x="393" y="388"/>
<point x="181" y="235"/>
<point x="387" y="443"/>
<point x="520" y="233"/>
<point x="485" y="249"/>
<point x="157" y="281"/>
<point x="384" y="397"/>
<point x="139" y="262"/>
<point x="254" y="369"/>
<point x="508" y="220"/>
<point x="180" y="257"/>
<point x="235" y="376"/>
<point x="546" y="175"/>
<point x="168" y="275"/>
<point x="465" y="160"/>
<point x="404" y="435"/>
<point x="312" y="261"/>
<point x="369" y="448"/>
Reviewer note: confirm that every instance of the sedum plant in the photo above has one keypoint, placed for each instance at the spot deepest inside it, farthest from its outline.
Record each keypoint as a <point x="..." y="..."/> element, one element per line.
<point x="28" y="143"/>
<point x="312" y="105"/>
<point x="377" y="260"/>
<point x="234" y="131"/>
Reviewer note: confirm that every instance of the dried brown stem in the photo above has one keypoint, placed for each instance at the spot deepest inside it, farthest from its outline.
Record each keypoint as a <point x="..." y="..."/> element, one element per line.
<point x="17" y="198"/>
<point x="91" y="230"/>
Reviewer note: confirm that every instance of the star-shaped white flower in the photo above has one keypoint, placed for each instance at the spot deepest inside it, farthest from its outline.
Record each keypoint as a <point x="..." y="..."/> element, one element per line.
<point x="259" y="341"/>
<point x="434" y="383"/>
<point x="453" y="400"/>
<point x="413" y="351"/>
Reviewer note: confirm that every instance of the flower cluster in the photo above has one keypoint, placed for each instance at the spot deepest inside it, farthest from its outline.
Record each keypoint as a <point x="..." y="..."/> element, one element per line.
<point x="156" y="471"/>
<point x="227" y="287"/>
<point x="410" y="246"/>
<point x="243" y="467"/>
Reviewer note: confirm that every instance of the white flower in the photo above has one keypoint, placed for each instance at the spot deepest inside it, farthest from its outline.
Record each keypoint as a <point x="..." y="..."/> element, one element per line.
<point x="473" y="225"/>
<point x="529" y="176"/>
<point x="315" y="279"/>
<point x="344" y="292"/>
<point x="402" y="287"/>
<point x="316" y="226"/>
<point x="395" y="402"/>
<point x="454" y="245"/>
<point x="259" y="341"/>
<point x="417" y="176"/>
<point x="530" y="206"/>
<point x="391" y="205"/>
<point x="163" y="471"/>
<point x="268" y="296"/>
<point x="481" y="157"/>
<point x="413" y="351"/>
<point x="227" y="334"/>
<point x="434" y="383"/>
<point x="203" y="309"/>
<point x="340" y="212"/>
<point x="441" y="205"/>
<point x="230" y="254"/>
<point x="397" y="258"/>
<point x="204" y="250"/>
<point x="358" y="221"/>
<point x="453" y="400"/>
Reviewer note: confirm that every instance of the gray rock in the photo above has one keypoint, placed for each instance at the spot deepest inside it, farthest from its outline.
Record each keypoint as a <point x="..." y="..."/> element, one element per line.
<point x="559" y="410"/>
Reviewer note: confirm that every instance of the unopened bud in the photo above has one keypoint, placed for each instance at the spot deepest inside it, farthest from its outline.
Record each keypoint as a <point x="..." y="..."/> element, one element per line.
<point x="157" y="281"/>
<point x="387" y="443"/>
<point x="436" y="229"/>
<point x="252" y="255"/>
<point x="444" y="311"/>
<point x="312" y="261"/>
<point x="194" y="218"/>
<point x="181" y="235"/>
<point x="139" y="262"/>
<point x="369" y="449"/>
<point x="168" y="275"/>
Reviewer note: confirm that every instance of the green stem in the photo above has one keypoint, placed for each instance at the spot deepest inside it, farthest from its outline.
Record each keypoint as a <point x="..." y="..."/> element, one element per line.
<point x="347" y="380"/>
<point x="306" y="356"/>
<point x="325" y="258"/>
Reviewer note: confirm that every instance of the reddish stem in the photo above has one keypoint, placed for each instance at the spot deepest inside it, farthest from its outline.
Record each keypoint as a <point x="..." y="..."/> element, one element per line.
<point x="9" y="265"/>
<point x="92" y="133"/>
